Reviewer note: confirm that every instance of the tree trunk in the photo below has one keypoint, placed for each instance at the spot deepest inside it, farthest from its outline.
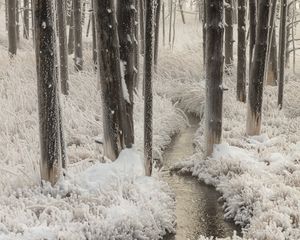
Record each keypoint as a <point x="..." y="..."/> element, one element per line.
<point x="148" y="75"/>
<point x="170" y="26"/>
<point x="78" y="60"/>
<point x="47" y="91"/>
<point x="282" y="51"/>
<point x="18" y="22"/>
<point x="252" y="29"/>
<point x="12" y="28"/>
<point x="142" y="25"/>
<point x="110" y="76"/>
<point x="272" y="73"/>
<point x="228" y="33"/>
<point x="271" y="62"/>
<point x="71" y="30"/>
<point x="181" y="11"/>
<point x="257" y="74"/>
<point x="157" y="18"/>
<point x="26" y="19"/>
<point x="204" y="33"/>
<point x="164" y="25"/>
<point x="126" y="29"/>
<point x="214" y="73"/>
<point x="63" y="50"/>
<point x="94" y="37"/>
<point x="241" y="63"/>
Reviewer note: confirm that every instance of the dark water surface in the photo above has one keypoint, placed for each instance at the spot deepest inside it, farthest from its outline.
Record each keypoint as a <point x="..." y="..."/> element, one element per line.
<point x="197" y="208"/>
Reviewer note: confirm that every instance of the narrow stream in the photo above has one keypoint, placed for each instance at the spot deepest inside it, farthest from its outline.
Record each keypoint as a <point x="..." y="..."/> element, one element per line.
<point x="198" y="211"/>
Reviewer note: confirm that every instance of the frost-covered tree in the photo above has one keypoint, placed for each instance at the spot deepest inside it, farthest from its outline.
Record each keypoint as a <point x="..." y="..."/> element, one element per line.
<point x="26" y="19"/>
<point x="148" y="75"/>
<point x="63" y="47"/>
<point x="257" y="72"/>
<point x="282" y="50"/>
<point x="228" y="33"/>
<point x="241" y="62"/>
<point x="78" y="57"/>
<point x="126" y="29"/>
<point x="48" y="95"/>
<point x="12" y="28"/>
<point x="110" y="76"/>
<point x="214" y="73"/>
<point x="252" y="28"/>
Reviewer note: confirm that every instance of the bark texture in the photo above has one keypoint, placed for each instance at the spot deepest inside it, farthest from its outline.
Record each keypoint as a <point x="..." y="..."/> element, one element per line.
<point x="229" y="33"/>
<point x="26" y="19"/>
<point x="110" y="76"/>
<point x="256" y="81"/>
<point x="63" y="47"/>
<point x="12" y="28"/>
<point x="48" y="97"/>
<point x="214" y="73"/>
<point x="282" y="51"/>
<point x="126" y="30"/>
<point x="148" y="75"/>
<point x="78" y="57"/>
<point x="241" y="63"/>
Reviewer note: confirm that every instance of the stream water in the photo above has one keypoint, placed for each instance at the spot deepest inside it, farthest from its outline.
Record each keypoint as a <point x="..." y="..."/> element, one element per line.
<point x="198" y="210"/>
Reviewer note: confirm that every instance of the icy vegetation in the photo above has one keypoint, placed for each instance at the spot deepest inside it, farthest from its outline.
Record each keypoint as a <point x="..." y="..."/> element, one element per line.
<point x="258" y="177"/>
<point x="93" y="201"/>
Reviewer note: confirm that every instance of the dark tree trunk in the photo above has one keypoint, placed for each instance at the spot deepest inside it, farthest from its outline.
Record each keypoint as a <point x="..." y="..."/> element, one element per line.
<point x="252" y="29"/>
<point x="257" y="73"/>
<point x="181" y="11"/>
<point x="282" y="51"/>
<point x="63" y="48"/>
<point x="78" y="58"/>
<point x="94" y="37"/>
<point x="110" y="76"/>
<point x="157" y="18"/>
<point x="228" y="33"/>
<point x="47" y="91"/>
<point x="204" y="32"/>
<point x="241" y="63"/>
<point x="271" y="63"/>
<point x="126" y="29"/>
<point x="148" y="75"/>
<point x="26" y="19"/>
<point x="214" y="73"/>
<point x="71" y="30"/>
<point x="12" y="28"/>
<point x="272" y="73"/>
<point x="142" y="25"/>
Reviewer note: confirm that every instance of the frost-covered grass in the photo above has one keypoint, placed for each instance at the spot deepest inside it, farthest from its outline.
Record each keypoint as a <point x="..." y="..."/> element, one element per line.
<point x="124" y="207"/>
<point x="258" y="177"/>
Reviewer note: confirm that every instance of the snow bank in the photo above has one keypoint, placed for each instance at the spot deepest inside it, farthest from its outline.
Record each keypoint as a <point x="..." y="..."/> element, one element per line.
<point x="258" y="177"/>
<point x="106" y="201"/>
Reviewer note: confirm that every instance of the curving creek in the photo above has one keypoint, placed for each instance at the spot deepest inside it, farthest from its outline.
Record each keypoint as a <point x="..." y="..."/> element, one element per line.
<point x="198" y="210"/>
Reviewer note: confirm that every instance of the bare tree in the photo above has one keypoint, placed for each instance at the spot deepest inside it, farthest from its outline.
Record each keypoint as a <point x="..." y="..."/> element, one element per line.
<point x="142" y="25"/>
<point x="48" y="96"/>
<point x="26" y="19"/>
<point x="148" y="75"/>
<point x="241" y="63"/>
<point x="78" y="57"/>
<point x="282" y="51"/>
<point x="110" y="76"/>
<point x="257" y="72"/>
<point x="228" y="33"/>
<point x="157" y="18"/>
<point x="12" y="28"/>
<point x="71" y="30"/>
<point x="63" y="48"/>
<point x="252" y="29"/>
<point x="214" y="73"/>
<point x="126" y="30"/>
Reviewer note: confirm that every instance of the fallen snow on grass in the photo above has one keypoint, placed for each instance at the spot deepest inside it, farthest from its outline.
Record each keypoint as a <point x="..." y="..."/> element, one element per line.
<point x="258" y="177"/>
<point x="106" y="201"/>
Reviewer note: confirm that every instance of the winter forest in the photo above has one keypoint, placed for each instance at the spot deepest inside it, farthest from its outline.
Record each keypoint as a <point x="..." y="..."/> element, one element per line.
<point x="149" y="119"/>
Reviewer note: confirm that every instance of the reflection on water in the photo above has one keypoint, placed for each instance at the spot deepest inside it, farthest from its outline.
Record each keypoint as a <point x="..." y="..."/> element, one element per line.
<point x="197" y="208"/>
